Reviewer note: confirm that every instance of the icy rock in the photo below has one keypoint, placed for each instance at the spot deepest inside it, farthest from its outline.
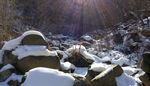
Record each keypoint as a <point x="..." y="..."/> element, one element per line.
<point x="126" y="80"/>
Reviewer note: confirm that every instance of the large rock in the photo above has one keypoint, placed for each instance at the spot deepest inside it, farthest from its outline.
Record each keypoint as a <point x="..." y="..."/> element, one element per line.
<point x="146" y="33"/>
<point x="33" y="39"/>
<point x="9" y="58"/>
<point x="145" y="78"/>
<point x="145" y="65"/>
<point x="31" y="62"/>
<point x="107" y="77"/>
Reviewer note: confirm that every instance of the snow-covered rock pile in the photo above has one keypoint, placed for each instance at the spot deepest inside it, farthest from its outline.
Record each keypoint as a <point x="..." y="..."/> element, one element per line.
<point x="111" y="60"/>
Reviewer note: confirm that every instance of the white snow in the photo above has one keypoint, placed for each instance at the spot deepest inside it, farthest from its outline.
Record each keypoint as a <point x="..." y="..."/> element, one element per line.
<point x="67" y="66"/>
<point x="48" y="77"/>
<point x="33" y="32"/>
<point x="98" y="67"/>
<point x="126" y="80"/>
<point x="12" y="44"/>
<point x="81" y="71"/>
<point x="120" y="61"/>
<point x="12" y="77"/>
<point x="130" y="70"/>
<point x="87" y="37"/>
<point x="6" y="67"/>
<point x="24" y="51"/>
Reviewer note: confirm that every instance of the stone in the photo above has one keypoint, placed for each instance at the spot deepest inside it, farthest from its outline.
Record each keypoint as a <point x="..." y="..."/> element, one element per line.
<point x="107" y="77"/>
<point x="9" y="58"/>
<point x="146" y="33"/>
<point x="145" y="64"/>
<point x="145" y="78"/>
<point x="91" y="74"/>
<point x="4" y="75"/>
<point x="33" y="39"/>
<point x="118" y="39"/>
<point x="135" y="37"/>
<point x="30" y="62"/>
<point x="79" y="81"/>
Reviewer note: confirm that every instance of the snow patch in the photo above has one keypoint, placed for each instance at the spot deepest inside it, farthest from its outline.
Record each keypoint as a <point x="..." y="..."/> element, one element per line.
<point x="67" y="66"/>
<point x="81" y="71"/>
<point x="24" y="51"/>
<point x="126" y="80"/>
<point x="48" y="77"/>
<point x="6" y="67"/>
<point x="98" y="67"/>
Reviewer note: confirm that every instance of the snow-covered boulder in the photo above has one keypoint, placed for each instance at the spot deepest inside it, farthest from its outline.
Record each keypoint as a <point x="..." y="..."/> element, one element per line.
<point x="35" y="56"/>
<point x="79" y="56"/>
<point x="48" y="77"/>
<point x="95" y="69"/>
<point x="107" y="77"/>
<point x="31" y="37"/>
